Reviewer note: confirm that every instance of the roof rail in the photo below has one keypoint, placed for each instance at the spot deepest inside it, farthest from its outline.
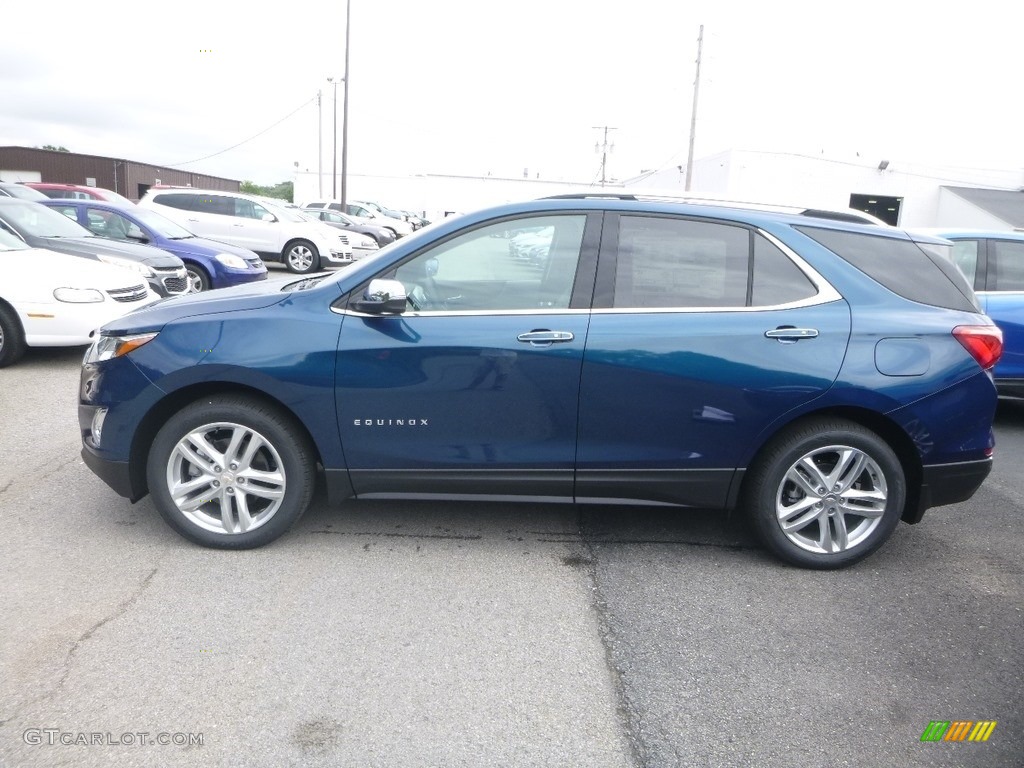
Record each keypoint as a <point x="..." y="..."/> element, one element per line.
<point x="850" y="215"/>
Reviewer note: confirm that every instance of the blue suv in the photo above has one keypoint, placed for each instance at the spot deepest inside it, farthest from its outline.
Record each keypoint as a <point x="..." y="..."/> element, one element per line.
<point x="826" y="378"/>
<point x="208" y="263"/>
<point x="993" y="263"/>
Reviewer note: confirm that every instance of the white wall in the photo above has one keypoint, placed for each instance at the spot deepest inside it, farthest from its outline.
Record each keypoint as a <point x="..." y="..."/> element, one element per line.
<point x="16" y="176"/>
<point x="824" y="182"/>
<point x="955" y="211"/>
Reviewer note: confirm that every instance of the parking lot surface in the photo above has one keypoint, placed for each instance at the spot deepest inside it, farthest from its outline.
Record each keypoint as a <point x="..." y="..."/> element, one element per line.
<point x="435" y="633"/>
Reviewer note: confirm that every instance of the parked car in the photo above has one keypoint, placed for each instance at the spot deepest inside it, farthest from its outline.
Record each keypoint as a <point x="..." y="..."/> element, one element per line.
<point x="362" y="214"/>
<point x="61" y="305"/>
<point x="993" y="263"/>
<point x="209" y="264"/>
<point x="379" y="235"/>
<point x="392" y="213"/>
<point x="9" y="189"/>
<point x="78" y="192"/>
<point x="826" y="378"/>
<point x="274" y="233"/>
<point x="41" y="227"/>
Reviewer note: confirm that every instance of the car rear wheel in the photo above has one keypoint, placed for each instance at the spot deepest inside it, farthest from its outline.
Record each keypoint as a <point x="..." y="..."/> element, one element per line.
<point x="231" y="472"/>
<point x="301" y="257"/>
<point x="198" y="280"/>
<point x="825" y="494"/>
<point x="12" y="338"/>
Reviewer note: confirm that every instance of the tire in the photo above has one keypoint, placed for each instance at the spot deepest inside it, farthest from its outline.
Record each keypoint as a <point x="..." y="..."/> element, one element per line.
<point x="394" y="232"/>
<point x="12" y="337"/>
<point x="215" y="502"/>
<point x="839" y="486"/>
<point x="301" y="257"/>
<point x="198" y="280"/>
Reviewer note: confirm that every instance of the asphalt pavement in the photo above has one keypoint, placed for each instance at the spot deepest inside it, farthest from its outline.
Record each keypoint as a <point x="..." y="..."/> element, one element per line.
<point x="487" y="634"/>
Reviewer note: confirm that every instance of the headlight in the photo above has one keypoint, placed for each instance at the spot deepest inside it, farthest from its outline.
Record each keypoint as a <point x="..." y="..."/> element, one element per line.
<point x="77" y="295"/>
<point x="361" y="241"/>
<point x="230" y="260"/>
<point x="134" y="266"/>
<point x="108" y="347"/>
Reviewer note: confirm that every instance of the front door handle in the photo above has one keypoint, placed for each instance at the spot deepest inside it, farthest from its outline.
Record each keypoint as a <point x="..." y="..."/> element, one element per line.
<point x="545" y="338"/>
<point x="791" y="335"/>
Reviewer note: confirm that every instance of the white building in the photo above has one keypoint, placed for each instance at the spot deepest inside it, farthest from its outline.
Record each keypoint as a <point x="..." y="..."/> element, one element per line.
<point x="909" y="195"/>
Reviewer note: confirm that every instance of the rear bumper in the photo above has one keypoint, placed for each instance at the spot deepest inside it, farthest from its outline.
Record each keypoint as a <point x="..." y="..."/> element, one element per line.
<point x="949" y="484"/>
<point x="1013" y="388"/>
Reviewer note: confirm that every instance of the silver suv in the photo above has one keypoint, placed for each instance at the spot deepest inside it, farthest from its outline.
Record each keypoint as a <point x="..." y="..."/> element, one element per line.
<point x="274" y="232"/>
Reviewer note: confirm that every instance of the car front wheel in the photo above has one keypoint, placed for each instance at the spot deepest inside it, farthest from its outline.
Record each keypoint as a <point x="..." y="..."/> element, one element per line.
<point x="12" y="339"/>
<point x="198" y="280"/>
<point x="231" y="472"/>
<point x="301" y="257"/>
<point x="825" y="494"/>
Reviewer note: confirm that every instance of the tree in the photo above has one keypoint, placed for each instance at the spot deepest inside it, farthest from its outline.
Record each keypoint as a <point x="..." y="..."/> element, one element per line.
<point x="53" y="148"/>
<point x="283" y="191"/>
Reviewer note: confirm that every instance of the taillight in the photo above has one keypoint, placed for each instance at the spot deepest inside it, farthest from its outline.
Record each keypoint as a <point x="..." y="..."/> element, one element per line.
<point x="984" y="342"/>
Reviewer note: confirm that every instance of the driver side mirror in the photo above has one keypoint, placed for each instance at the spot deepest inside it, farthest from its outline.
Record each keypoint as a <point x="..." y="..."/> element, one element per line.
<point x="268" y="217"/>
<point x="382" y="297"/>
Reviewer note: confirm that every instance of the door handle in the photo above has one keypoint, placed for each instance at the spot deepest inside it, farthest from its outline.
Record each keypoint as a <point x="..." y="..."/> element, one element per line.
<point x="790" y="335"/>
<point x="545" y="338"/>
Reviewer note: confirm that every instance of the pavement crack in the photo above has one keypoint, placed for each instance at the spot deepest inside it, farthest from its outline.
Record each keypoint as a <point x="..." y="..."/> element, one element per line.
<point x="382" y="534"/>
<point x="123" y="607"/>
<point x="629" y="718"/>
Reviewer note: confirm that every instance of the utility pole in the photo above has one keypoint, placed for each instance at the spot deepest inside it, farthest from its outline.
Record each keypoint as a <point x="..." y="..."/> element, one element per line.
<point x="604" y="148"/>
<point x="344" y="128"/>
<point x="693" y="115"/>
<point x="319" y="144"/>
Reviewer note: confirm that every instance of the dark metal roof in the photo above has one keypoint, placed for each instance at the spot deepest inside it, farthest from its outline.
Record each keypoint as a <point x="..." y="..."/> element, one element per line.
<point x="1004" y="204"/>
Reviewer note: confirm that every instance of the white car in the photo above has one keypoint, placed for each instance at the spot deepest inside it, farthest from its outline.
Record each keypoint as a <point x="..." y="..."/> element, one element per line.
<point x="62" y="304"/>
<point x="366" y="215"/>
<point x="248" y="221"/>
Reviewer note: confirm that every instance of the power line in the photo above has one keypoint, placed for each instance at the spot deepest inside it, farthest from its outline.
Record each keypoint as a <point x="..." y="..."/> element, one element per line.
<point x="246" y="141"/>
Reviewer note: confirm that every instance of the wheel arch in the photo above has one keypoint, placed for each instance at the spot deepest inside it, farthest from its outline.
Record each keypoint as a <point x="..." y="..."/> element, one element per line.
<point x="161" y="411"/>
<point x="897" y="439"/>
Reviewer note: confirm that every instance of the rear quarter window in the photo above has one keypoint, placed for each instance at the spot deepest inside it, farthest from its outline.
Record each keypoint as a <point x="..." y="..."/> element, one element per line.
<point x="902" y="266"/>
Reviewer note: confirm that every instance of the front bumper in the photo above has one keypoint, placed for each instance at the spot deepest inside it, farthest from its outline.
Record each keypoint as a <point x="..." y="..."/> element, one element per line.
<point x="169" y="282"/>
<point x="338" y="257"/>
<point x="116" y="474"/>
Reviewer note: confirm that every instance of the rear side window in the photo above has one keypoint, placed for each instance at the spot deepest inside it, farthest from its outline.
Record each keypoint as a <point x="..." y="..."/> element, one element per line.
<point x="901" y="266"/>
<point x="172" y="200"/>
<point x="682" y="263"/>
<point x="225" y="206"/>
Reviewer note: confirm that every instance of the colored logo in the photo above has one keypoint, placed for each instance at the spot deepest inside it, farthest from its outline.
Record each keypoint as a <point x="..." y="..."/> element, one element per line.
<point x="958" y="730"/>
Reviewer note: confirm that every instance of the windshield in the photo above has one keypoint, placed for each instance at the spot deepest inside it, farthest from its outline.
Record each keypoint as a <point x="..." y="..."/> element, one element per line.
<point x="24" y="193"/>
<point x="112" y="197"/>
<point x="37" y="220"/>
<point x="281" y="212"/>
<point x="9" y="242"/>
<point x="160" y="224"/>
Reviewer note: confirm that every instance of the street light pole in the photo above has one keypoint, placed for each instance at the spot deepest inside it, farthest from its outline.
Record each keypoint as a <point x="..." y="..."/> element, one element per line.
<point x="319" y="144"/>
<point x="334" y="163"/>
<point x="344" y="124"/>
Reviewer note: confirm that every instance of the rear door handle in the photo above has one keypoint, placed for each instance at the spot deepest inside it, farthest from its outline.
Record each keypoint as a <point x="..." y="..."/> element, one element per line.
<point x="545" y="338"/>
<point x="790" y="335"/>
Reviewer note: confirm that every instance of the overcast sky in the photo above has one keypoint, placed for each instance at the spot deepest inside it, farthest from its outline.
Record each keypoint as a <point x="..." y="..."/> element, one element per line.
<point x="480" y="86"/>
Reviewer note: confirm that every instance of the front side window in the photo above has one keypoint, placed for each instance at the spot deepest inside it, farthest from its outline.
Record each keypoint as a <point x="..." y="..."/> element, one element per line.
<point x="247" y="209"/>
<point x="481" y="271"/>
<point x="1006" y="266"/>
<point x="112" y="225"/>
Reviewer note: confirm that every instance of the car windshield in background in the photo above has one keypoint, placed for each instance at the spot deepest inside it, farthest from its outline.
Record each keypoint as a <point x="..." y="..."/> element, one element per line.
<point x="112" y="197"/>
<point x="284" y="213"/>
<point x="22" y="192"/>
<point x="39" y="221"/>
<point x="161" y="224"/>
<point x="9" y="242"/>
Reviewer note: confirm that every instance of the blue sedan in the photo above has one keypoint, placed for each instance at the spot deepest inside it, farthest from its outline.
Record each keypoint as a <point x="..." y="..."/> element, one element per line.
<point x="209" y="263"/>
<point x="994" y="263"/>
<point x="827" y="379"/>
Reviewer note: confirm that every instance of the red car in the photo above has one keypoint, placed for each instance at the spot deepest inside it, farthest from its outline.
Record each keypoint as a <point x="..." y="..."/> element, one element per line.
<point x="78" y="192"/>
